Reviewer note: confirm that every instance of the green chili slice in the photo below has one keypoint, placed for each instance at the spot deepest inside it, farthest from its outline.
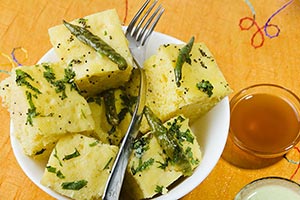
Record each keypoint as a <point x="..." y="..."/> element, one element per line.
<point x="168" y="142"/>
<point x="110" y="107"/>
<point x="88" y="38"/>
<point x="184" y="56"/>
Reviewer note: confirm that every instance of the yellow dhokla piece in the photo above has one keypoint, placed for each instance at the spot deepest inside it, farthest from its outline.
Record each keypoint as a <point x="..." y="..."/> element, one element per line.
<point x="94" y="72"/>
<point x="150" y="171"/>
<point x="166" y="99"/>
<point x="79" y="167"/>
<point x="44" y="105"/>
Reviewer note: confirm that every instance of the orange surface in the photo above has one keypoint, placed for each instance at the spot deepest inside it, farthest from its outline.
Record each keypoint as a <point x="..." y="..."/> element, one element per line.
<point x="25" y="23"/>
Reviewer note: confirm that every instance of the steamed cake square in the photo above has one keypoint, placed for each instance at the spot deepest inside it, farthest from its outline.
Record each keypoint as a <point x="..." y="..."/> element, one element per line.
<point x="166" y="99"/>
<point x="40" y="100"/>
<point x="150" y="171"/>
<point x="94" y="72"/>
<point x="79" y="167"/>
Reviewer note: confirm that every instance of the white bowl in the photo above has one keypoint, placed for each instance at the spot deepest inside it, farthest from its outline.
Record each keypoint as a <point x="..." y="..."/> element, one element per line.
<point x="211" y="131"/>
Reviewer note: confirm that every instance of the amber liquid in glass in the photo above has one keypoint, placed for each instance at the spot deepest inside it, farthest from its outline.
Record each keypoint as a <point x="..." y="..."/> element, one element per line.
<point x="264" y="123"/>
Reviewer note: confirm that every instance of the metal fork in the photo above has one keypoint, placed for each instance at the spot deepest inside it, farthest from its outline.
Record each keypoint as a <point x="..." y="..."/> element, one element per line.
<point x="137" y="33"/>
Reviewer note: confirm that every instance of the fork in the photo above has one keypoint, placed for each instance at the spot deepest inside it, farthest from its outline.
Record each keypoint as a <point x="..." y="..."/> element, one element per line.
<point x="137" y="33"/>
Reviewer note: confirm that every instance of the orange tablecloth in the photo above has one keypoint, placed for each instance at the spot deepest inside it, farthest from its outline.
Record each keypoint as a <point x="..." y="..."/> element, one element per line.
<point x="25" y="24"/>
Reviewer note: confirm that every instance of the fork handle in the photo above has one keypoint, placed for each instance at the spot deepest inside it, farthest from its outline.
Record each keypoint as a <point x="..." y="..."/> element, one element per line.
<point x="115" y="180"/>
<point x="114" y="184"/>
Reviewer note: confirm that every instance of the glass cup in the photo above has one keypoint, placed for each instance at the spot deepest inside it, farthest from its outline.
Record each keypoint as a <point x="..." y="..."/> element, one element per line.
<point x="270" y="188"/>
<point x="265" y="120"/>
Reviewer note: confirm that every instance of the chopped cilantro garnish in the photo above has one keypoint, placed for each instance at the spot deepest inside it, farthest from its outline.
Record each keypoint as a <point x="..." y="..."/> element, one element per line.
<point x="59" y="85"/>
<point x="76" y="185"/>
<point x="69" y="77"/>
<point x="129" y="102"/>
<point x="56" y="156"/>
<point x="142" y="166"/>
<point x="188" y="136"/>
<point x="205" y="86"/>
<point x="163" y="165"/>
<point x="60" y="175"/>
<point x="97" y="100"/>
<point x="159" y="189"/>
<point x="72" y="155"/>
<point x="179" y="134"/>
<point x="190" y="156"/>
<point x="83" y="22"/>
<point x="140" y="146"/>
<point x="21" y="80"/>
<point x="51" y="169"/>
<point x="31" y="113"/>
<point x="48" y="74"/>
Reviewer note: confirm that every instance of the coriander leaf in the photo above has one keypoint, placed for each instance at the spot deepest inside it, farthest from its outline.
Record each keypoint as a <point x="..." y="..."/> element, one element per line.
<point x="159" y="189"/>
<point x="97" y="100"/>
<point x="175" y="129"/>
<point x="140" y="146"/>
<point x="48" y="74"/>
<point x="60" y="85"/>
<point x="163" y="165"/>
<point x="69" y="77"/>
<point x="83" y="22"/>
<point x="60" y="175"/>
<point x="72" y="155"/>
<point x="205" y="86"/>
<point x="190" y="155"/>
<point x="76" y="185"/>
<point x="51" y="169"/>
<point x="56" y="156"/>
<point x="142" y="166"/>
<point x="21" y="80"/>
<point x="31" y="113"/>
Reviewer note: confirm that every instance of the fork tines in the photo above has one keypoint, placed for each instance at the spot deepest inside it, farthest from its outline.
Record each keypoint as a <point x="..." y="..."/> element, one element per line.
<point x="141" y="29"/>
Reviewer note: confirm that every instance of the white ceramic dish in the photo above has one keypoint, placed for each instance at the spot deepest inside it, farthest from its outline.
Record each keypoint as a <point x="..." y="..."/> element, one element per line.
<point x="211" y="131"/>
